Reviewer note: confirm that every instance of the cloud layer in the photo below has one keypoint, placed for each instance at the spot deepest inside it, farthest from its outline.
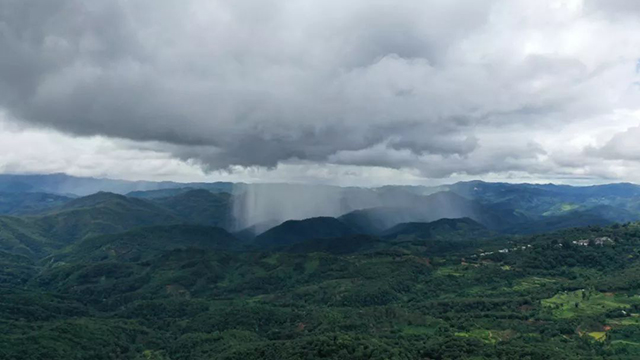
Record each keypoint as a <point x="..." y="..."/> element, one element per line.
<point x="441" y="88"/>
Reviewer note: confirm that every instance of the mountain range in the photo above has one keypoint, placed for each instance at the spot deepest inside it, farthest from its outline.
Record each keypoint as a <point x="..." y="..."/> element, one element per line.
<point x="40" y="213"/>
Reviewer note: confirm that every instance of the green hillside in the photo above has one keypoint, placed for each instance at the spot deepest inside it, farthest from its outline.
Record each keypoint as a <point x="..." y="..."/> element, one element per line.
<point x="144" y="243"/>
<point x="172" y="293"/>
<point x="338" y="245"/>
<point x="293" y="231"/>
<point x="29" y="203"/>
<point x="443" y="229"/>
<point x="101" y="213"/>
<point x="114" y="277"/>
<point x="201" y="207"/>
<point x="25" y="237"/>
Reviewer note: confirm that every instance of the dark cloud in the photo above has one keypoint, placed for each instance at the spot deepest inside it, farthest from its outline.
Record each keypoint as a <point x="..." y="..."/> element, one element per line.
<point x="416" y="84"/>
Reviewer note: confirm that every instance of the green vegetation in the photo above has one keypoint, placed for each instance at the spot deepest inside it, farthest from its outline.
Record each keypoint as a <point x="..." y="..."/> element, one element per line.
<point x="295" y="231"/>
<point x="190" y="292"/>
<point x="443" y="229"/>
<point x="201" y="207"/>
<point x="588" y="303"/>
<point x="29" y="203"/>
<point x="112" y="277"/>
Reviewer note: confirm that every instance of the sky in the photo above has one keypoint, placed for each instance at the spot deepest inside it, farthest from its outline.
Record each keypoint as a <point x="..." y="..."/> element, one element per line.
<point x="359" y="92"/>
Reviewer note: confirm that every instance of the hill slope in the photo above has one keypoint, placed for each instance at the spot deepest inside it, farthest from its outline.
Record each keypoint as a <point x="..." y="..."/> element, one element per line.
<point x="201" y="207"/>
<point x="294" y="231"/>
<point x="443" y="229"/>
<point x="337" y="245"/>
<point x="102" y="213"/>
<point x="145" y="243"/>
<point x="24" y="237"/>
<point x="436" y="206"/>
<point x="29" y="203"/>
<point x="98" y="214"/>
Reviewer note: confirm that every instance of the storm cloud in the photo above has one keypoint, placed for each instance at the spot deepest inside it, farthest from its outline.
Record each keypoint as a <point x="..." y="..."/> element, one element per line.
<point x="439" y="87"/>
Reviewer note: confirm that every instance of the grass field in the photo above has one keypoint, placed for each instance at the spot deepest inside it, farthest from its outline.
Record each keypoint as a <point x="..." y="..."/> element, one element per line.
<point x="533" y="282"/>
<point x="598" y="335"/>
<point x="449" y="271"/>
<point x="587" y="303"/>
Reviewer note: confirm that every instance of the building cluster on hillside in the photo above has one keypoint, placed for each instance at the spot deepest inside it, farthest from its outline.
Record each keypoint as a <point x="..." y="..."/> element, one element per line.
<point x="505" y="250"/>
<point x="601" y="241"/>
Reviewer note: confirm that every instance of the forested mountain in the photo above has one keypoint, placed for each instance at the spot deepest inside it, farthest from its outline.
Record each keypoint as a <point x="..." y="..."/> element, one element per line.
<point x="499" y="206"/>
<point x="202" y="207"/>
<point x="190" y="292"/>
<point x="294" y="231"/>
<point x="342" y="245"/>
<point x="50" y="221"/>
<point x="443" y="229"/>
<point x="24" y="237"/>
<point x="149" y="242"/>
<point x="29" y="203"/>
<point x="449" y="276"/>
<point x="101" y="213"/>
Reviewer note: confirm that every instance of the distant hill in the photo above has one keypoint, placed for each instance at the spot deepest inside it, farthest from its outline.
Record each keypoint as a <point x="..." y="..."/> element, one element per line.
<point x="98" y="214"/>
<point x="158" y="194"/>
<point x="570" y="220"/>
<point x="202" y="207"/>
<point x="81" y="186"/>
<point x="443" y="229"/>
<point x="432" y="207"/>
<point x="49" y="220"/>
<point x="29" y="203"/>
<point x="451" y="205"/>
<point x="295" y="231"/>
<point x="538" y="200"/>
<point x="145" y="243"/>
<point x="102" y="213"/>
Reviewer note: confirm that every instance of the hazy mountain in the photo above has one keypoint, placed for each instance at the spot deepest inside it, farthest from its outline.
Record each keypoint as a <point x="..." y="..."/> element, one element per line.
<point x="507" y="208"/>
<point x="250" y="233"/>
<point x="573" y="219"/>
<point x="66" y="184"/>
<point x="158" y="194"/>
<point x="536" y="200"/>
<point x="375" y="220"/>
<point x="263" y="202"/>
<point x="430" y="208"/>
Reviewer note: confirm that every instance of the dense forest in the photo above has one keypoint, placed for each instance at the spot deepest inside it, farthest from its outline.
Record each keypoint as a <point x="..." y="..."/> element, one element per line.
<point x="127" y="277"/>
